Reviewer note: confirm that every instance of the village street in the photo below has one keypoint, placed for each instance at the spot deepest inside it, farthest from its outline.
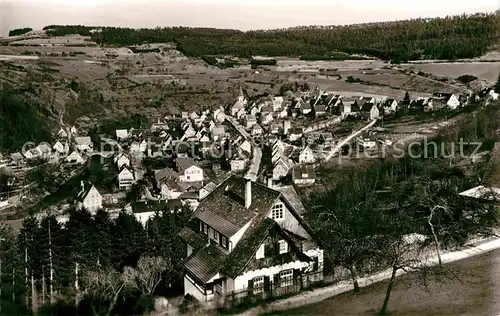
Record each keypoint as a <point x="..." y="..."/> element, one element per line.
<point x="346" y="140"/>
<point x="253" y="171"/>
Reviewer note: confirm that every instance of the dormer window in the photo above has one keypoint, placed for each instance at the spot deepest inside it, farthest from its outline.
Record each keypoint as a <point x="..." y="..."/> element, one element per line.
<point x="277" y="212"/>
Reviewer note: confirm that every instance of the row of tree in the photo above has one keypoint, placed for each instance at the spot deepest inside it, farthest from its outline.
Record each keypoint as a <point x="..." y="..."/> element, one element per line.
<point x="464" y="36"/>
<point x="21" y="31"/>
<point x="91" y="264"/>
<point x="399" y="213"/>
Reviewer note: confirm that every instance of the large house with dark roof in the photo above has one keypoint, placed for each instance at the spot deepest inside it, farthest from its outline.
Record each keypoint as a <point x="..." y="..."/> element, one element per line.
<point x="245" y="238"/>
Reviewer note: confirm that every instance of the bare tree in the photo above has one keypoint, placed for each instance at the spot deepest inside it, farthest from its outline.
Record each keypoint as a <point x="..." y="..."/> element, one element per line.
<point x="104" y="287"/>
<point x="148" y="273"/>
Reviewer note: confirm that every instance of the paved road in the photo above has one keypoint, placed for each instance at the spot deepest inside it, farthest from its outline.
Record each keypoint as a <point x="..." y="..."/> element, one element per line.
<point x="346" y="140"/>
<point x="475" y="291"/>
<point x="253" y="171"/>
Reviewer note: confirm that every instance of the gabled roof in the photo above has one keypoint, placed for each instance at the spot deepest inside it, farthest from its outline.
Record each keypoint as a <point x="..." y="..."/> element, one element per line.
<point x="240" y="257"/>
<point x="205" y="263"/>
<point x="227" y="202"/>
<point x="192" y="238"/>
<point x="164" y="173"/>
<point x="184" y="163"/>
<point x="84" y="191"/>
<point x="210" y="186"/>
<point x="366" y="107"/>
<point x="303" y="172"/>
<point x="83" y="140"/>
<point x="482" y="192"/>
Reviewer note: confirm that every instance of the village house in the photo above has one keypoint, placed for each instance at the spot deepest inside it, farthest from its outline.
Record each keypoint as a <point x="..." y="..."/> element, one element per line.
<point x="250" y="121"/>
<point x="122" y="160"/>
<point x="281" y="167"/>
<point x="326" y="138"/>
<point x="189" y="171"/>
<point x="390" y="106"/>
<point x="257" y="130"/>
<point x="218" y="132"/>
<point x="347" y="107"/>
<point x="267" y="118"/>
<point x="17" y="160"/>
<point x="303" y="175"/>
<point x="209" y="187"/>
<point x="238" y="165"/>
<point x="89" y="198"/>
<point x="246" y="147"/>
<point x="307" y="156"/>
<point x="170" y="189"/>
<point x="122" y="134"/>
<point x="367" y="142"/>
<point x="374" y="111"/>
<point x="84" y="144"/>
<point x="239" y="104"/>
<point x="305" y="108"/>
<point x="295" y="134"/>
<point x="75" y="158"/>
<point x="219" y="115"/>
<point x="277" y="103"/>
<point x="126" y="178"/>
<point x="144" y="210"/>
<point x="62" y="133"/>
<point x="283" y="113"/>
<point x="449" y="100"/>
<point x="257" y="242"/>
<point x="60" y="148"/>
<point x="159" y="125"/>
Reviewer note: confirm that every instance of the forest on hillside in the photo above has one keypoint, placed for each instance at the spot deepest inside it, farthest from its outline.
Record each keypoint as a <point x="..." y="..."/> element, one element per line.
<point x="463" y="36"/>
<point x="21" y="121"/>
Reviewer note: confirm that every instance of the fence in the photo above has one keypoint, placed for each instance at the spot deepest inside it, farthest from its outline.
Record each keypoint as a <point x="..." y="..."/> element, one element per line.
<point x="269" y="290"/>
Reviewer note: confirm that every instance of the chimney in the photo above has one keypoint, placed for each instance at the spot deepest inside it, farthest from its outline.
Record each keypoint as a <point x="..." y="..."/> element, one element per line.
<point x="270" y="182"/>
<point x="248" y="194"/>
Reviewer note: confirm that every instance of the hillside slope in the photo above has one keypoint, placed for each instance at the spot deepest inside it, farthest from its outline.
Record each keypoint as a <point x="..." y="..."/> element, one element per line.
<point x="464" y="36"/>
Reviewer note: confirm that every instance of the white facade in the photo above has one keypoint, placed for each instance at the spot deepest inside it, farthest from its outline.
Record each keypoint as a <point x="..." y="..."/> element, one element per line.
<point x="170" y="193"/>
<point x="60" y="148"/>
<point x="238" y="165"/>
<point x="192" y="174"/>
<point x="121" y="134"/>
<point x="92" y="201"/>
<point x="453" y="102"/>
<point x="75" y="157"/>
<point x="84" y="144"/>
<point x="122" y="160"/>
<point x="126" y="179"/>
<point x="307" y="156"/>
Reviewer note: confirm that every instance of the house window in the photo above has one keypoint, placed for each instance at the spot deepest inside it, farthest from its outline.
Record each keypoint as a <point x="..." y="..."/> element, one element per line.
<point x="283" y="246"/>
<point x="224" y="242"/>
<point x="260" y="252"/>
<point x="286" y="278"/>
<point x="205" y="228"/>
<point x="258" y="285"/>
<point x="216" y="236"/>
<point x="277" y="211"/>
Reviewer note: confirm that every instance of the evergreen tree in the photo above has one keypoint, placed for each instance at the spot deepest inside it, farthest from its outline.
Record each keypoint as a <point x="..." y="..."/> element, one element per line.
<point x="407" y="100"/>
<point x="497" y="85"/>
<point x="128" y="239"/>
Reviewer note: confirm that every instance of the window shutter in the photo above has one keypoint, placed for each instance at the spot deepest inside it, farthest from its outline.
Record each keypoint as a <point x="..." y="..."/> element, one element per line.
<point x="276" y="280"/>
<point x="267" y="284"/>
<point x="315" y="264"/>
<point x="250" y="284"/>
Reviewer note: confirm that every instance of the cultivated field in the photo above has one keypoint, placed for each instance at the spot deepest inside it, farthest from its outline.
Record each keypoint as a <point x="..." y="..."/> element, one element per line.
<point x="488" y="71"/>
